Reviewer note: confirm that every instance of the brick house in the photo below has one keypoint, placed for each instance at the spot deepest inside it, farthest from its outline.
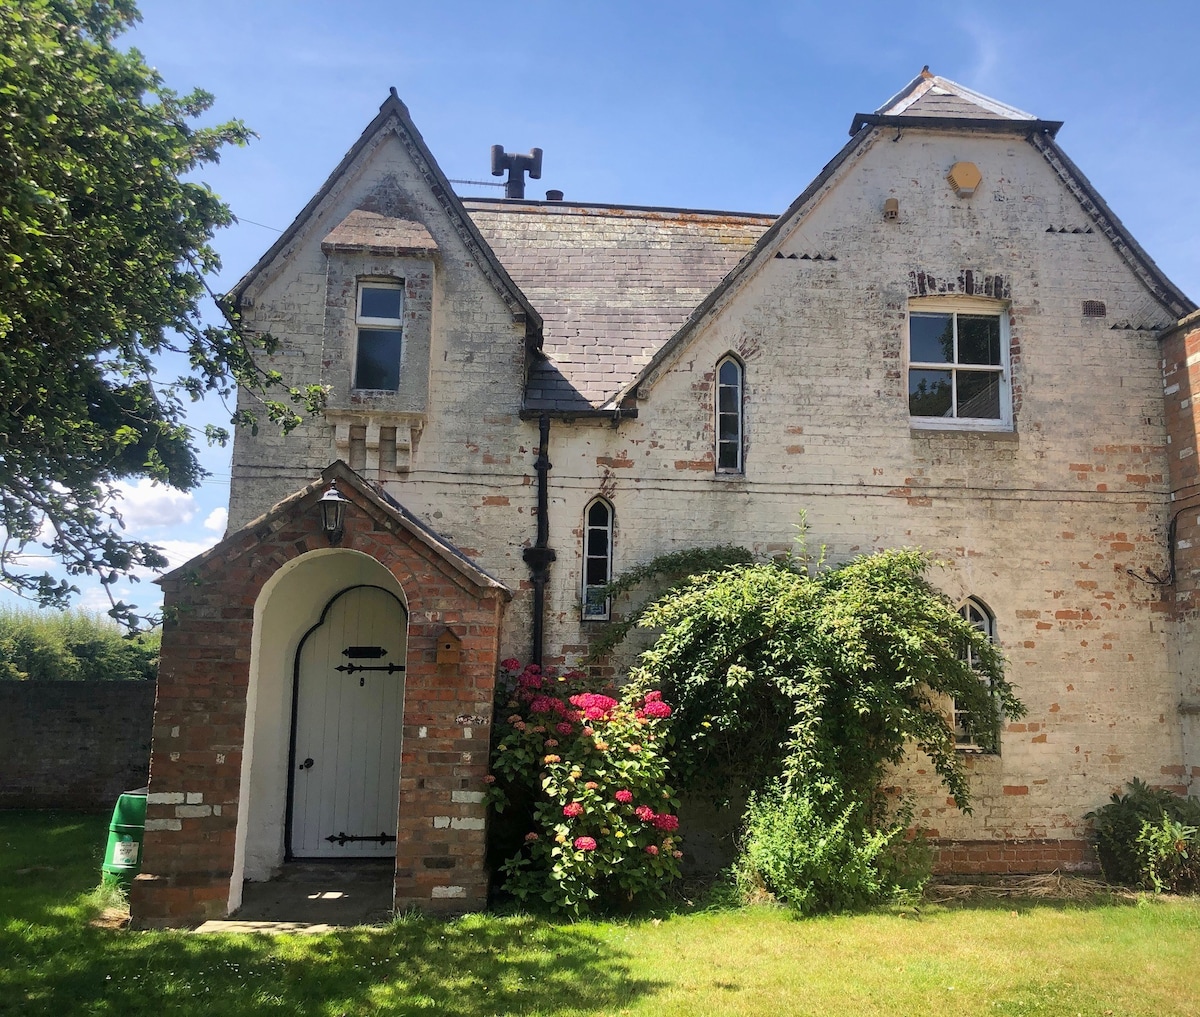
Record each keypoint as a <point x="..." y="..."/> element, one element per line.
<point x="947" y="340"/>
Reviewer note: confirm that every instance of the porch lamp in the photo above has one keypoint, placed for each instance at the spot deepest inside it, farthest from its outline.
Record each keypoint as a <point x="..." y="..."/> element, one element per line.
<point x="333" y="513"/>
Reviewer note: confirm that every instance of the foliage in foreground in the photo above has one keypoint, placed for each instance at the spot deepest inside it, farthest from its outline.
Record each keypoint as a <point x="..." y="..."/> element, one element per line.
<point x="73" y="646"/>
<point x="1010" y="958"/>
<point x="585" y="774"/>
<point x="105" y="241"/>
<point x="1149" y="837"/>
<point x="794" y="850"/>
<point x="821" y="679"/>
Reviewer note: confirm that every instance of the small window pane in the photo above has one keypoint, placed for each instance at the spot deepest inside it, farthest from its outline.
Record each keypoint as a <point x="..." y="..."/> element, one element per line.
<point x="378" y="364"/>
<point x="931" y="339"/>
<point x="979" y="339"/>
<point x="728" y="399"/>
<point x="979" y="394"/>
<point x="729" y="373"/>
<point x="597" y="542"/>
<point x="598" y="514"/>
<point x="380" y="302"/>
<point x="929" y="394"/>
<point x="597" y="572"/>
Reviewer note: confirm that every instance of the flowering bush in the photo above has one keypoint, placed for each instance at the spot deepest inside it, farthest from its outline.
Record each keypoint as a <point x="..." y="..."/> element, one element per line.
<point x="602" y="822"/>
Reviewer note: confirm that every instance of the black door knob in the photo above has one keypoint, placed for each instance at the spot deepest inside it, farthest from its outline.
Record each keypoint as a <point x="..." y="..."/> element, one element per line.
<point x="307" y="764"/>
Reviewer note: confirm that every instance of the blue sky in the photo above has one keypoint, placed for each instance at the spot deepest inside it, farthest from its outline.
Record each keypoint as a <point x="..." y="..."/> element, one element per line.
<point x="701" y="104"/>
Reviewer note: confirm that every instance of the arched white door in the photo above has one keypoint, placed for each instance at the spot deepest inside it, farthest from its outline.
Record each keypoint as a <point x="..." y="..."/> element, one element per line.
<point x="347" y="713"/>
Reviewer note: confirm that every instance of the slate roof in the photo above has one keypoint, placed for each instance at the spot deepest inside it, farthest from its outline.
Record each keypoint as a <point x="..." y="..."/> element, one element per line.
<point x="612" y="283"/>
<point x="930" y="95"/>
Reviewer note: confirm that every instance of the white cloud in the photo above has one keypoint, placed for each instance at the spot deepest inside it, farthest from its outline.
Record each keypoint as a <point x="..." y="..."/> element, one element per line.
<point x="217" y="520"/>
<point x="179" y="551"/>
<point x="147" y="504"/>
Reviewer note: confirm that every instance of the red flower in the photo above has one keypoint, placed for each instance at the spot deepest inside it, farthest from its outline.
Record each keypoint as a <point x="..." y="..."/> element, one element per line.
<point x="572" y="810"/>
<point x="564" y="727"/>
<point x="533" y="669"/>
<point x="665" y="822"/>
<point x="510" y="664"/>
<point x="623" y="796"/>
<point x="657" y="709"/>
<point x="653" y="697"/>
<point x="585" y="844"/>
<point x="593" y="713"/>
<point x="542" y="704"/>
<point x="530" y="681"/>
<point x="651" y="849"/>
<point x="530" y="838"/>
<point x="644" y="813"/>
<point x="490" y="779"/>
<point x="588" y="701"/>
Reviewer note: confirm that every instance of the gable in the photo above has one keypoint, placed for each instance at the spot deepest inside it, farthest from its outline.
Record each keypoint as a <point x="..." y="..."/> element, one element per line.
<point x="391" y="172"/>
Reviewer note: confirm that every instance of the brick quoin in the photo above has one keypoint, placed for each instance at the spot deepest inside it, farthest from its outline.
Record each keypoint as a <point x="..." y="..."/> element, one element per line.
<point x="200" y="713"/>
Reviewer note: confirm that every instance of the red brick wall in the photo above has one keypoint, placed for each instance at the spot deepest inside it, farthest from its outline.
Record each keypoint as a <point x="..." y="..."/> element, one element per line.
<point x="199" y="723"/>
<point x="1012" y="857"/>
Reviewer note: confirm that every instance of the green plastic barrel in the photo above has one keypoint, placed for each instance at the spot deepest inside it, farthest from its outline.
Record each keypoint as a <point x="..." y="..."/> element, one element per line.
<point x="123" y="856"/>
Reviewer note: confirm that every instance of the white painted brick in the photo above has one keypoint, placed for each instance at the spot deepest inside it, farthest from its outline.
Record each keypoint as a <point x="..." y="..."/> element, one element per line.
<point x="193" y="811"/>
<point x="441" y="822"/>
<point x="467" y="797"/>
<point x="463" y="823"/>
<point x="195" y="797"/>
<point x="163" y="824"/>
<point x="165" y="798"/>
<point x="448" y="891"/>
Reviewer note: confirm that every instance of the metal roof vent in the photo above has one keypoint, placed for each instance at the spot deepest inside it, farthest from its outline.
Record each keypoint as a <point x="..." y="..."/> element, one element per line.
<point x="517" y="166"/>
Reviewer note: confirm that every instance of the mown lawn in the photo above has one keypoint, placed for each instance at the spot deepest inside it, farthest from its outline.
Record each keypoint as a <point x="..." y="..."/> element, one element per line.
<point x="1109" y="957"/>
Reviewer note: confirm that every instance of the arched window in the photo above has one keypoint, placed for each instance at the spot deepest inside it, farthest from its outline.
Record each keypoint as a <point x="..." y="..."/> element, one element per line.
<point x="597" y="559"/>
<point x="729" y="422"/>
<point x="977" y="613"/>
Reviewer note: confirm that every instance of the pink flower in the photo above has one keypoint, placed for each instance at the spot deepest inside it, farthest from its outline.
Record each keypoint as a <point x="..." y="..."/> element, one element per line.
<point x="657" y="709"/>
<point x="585" y="844"/>
<point x="552" y="759"/>
<point x="591" y="785"/>
<point x="516" y="718"/>
<point x="510" y="664"/>
<point x="531" y="837"/>
<point x="623" y="796"/>
<point x="519" y="725"/>
<point x="533" y="669"/>
<point x="564" y="727"/>
<point x="644" y="813"/>
<point x="589" y="731"/>
<point x="530" y="681"/>
<point x="572" y="810"/>
<point x="677" y="854"/>
<point x="542" y="704"/>
<point x="653" y="697"/>
<point x="589" y="701"/>
<point x="651" y="849"/>
<point x="551" y="743"/>
<point x="635" y="749"/>
<point x="665" y="822"/>
<point x="593" y="713"/>
<point x="490" y="779"/>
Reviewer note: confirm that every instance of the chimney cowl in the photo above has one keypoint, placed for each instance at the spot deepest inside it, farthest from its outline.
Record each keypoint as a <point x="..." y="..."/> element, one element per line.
<point x="554" y="195"/>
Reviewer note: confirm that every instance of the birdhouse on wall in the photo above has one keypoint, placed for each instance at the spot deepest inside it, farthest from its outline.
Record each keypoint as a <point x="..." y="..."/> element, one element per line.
<point x="449" y="648"/>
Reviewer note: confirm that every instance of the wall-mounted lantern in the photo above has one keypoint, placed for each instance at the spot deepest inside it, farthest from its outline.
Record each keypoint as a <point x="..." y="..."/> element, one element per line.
<point x="333" y="513"/>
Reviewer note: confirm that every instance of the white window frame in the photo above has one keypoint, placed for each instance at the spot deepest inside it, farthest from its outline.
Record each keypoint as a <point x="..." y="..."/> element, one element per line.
<point x="718" y="385"/>
<point x="377" y="324"/>
<point x="986" y="623"/>
<point x="592" y="608"/>
<point x="956" y="306"/>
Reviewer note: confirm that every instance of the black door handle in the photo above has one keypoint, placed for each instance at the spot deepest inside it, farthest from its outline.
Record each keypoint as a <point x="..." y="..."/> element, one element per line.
<point x="307" y="764"/>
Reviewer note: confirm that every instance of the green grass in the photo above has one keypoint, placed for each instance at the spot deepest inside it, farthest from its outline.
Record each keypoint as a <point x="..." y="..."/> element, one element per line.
<point x="1005" y="959"/>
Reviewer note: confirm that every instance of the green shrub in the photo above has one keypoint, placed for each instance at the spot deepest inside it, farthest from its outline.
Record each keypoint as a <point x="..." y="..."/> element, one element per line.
<point x="819" y="857"/>
<point x="1169" y="856"/>
<point x="72" y="646"/>
<point x="1120" y="823"/>
<point x="590" y="774"/>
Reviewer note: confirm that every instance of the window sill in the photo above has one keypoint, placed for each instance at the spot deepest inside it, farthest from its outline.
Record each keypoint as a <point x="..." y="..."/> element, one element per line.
<point x="922" y="429"/>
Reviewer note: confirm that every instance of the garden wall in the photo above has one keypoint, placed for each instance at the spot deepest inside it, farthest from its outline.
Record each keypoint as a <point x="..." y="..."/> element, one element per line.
<point x="73" y="745"/>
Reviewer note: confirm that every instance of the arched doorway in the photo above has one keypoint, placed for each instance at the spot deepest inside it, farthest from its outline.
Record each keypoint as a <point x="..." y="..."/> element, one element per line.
<point x="347" y="715"/>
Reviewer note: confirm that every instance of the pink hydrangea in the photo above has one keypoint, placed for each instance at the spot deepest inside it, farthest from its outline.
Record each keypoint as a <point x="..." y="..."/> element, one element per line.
<point x="593" y="700"/>
<point x="653" y="697"/>
<point x="551" y="743"/>
<point x="676" y="854"/>
<point x="585" y="844"/>
<point x="666" y="822"/>
<point x="490" y="778"/>
<point x="552" y="759"/>
<point x="623" y="796"/>
<point x="572" y="809"/>
<point x="530" y="681"/>
<point x="533" y="669"/>
<point x="510" y="664"/>
<point x="531" y="837"/>
<point x="593" y="713"/>
<point x="644" y="813"/>
<point x="651" y="849"/>
<point x="591" y="785"/>
<point x="564" y="727"/>
<point x="542" y="704"/>
<point x="657" y="709"/>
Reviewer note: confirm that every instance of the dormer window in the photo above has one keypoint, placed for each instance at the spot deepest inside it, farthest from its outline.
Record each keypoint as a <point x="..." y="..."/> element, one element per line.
<point x="379" y="320"/>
